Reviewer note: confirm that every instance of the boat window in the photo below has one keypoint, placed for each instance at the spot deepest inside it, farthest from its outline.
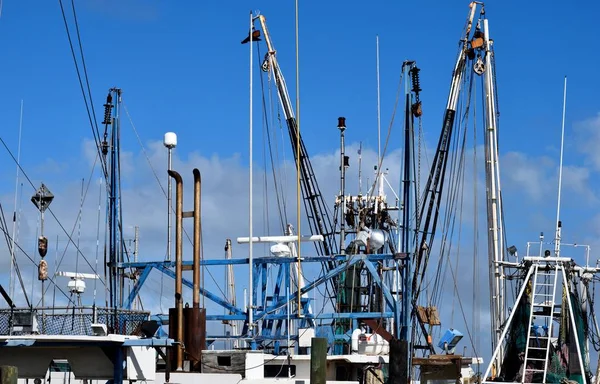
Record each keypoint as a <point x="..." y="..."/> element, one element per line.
<point x="224" y="361"/>
<point x="279" y="370"/>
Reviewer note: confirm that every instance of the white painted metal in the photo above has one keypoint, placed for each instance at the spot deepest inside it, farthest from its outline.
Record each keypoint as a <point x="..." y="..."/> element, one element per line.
<point x="573" y="324"/>
<point x="141" y="363"/>
<point x="279" y="239"/>
<point x="170" y="142"/>
<point x="496" y="355"/>
<point x="235" y="325"/>
<point x="542" y="308"/>
<point x="560" y="169"/>
<point x="494" y="207"/>
<point x="78" y="275"/>
<point x="250" y="207"/>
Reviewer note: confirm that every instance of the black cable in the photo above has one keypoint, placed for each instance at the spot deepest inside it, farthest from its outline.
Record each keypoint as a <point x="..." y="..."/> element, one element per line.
<point x="85" y="73"/>
<point x="92" y="119"/>
<point x="49" y="209"/>
<point x="13" y="254"/>
<point x="282" y="213"/>
<point x="94" y="131"/>
<point x="34" y="263"/>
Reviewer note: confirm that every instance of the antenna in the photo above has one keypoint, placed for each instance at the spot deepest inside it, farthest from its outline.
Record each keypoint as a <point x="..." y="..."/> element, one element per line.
<point x="378" y="104"/>
<point x="560" y="167"/>
<point x="360" y="169"/>
<point x="13" y="261"/>
<point x="170" y="142"/>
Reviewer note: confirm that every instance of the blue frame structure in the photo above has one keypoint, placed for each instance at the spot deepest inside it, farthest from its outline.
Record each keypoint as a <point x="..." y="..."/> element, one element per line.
<point x="274" y="314"/>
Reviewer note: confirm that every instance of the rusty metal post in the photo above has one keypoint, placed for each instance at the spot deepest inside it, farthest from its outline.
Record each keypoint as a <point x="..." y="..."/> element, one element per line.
<point x="195" y="318"/>
<point x="197" y="237"/>
<point x="178" y="267"/>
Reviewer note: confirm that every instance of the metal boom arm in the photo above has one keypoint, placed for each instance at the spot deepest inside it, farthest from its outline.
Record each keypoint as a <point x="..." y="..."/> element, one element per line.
<point x="316" y="209"/>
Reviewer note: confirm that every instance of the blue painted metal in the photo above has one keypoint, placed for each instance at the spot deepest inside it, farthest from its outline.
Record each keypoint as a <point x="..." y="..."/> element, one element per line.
<point x="333" y="272"/>
<point x="19" y="343"/>
<point x="409" y="196"/>
<point x="274" y="298"/>
<point x="256" y="260"/>
<point x="150" y="342"/>
<point x="115" y="244"/>
<point x="209" y="295"/>
<point x="118" y="366"/>
<point x="271" y="307"/>
<point x="386" y="291"/>
<point x="137" y="286"/>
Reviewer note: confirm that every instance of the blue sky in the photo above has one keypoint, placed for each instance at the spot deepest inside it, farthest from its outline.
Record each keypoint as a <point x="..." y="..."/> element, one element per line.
<point x="182" y="68"/>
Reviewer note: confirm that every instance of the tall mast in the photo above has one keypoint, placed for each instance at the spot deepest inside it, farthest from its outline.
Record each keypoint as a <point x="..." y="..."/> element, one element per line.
<point x="111" y="149"/>
<point x="250" y="264"/>
<point x="409" y="196"/>
<point x="494" y="202"/>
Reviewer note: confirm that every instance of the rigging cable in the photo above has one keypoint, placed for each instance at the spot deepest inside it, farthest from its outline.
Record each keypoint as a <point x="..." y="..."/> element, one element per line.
<point x="475" y="305"/>
<point x="34" y="263"/>
<point x="98" y="236"/>
<point x="282" y="214"/>
<point x="11" y="247"/>
<point x="73" y="229"/>
<point x="13" y="260"/>
<point x="456" y="186"/>
<point x="90" y="110"/>
<point x="48" y="209"/>
<point x="159" y="182"/>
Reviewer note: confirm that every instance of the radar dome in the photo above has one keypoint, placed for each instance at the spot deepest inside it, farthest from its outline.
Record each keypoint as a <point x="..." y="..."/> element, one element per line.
<point x="377" y="239"/>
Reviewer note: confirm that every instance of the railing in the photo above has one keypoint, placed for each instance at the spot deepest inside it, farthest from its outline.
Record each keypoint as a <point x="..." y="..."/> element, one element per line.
<point x="68" y="320"/>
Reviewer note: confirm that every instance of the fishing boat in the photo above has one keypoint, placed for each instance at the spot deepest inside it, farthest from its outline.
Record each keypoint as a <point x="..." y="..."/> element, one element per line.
<point x="367" y="256"/>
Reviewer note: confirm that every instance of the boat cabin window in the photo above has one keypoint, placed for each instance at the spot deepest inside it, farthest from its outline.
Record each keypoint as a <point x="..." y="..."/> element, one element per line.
<point x="279" y="370"/>
<point x="224" y="361"/>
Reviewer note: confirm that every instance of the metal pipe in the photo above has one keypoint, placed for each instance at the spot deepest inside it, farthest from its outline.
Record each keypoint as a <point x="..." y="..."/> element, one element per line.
<point x="197" y="237"/>
<point x="279" y="239"/>
<point x="178" y="267"/>
<point x="170" y="207"/>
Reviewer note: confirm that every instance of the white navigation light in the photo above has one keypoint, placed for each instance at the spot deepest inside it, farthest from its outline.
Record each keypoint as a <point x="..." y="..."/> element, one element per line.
<point x="170" y="140"/>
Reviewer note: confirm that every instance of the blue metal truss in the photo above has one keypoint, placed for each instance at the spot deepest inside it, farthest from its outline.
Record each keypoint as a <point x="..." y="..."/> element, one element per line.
<point x="271" y="310"/>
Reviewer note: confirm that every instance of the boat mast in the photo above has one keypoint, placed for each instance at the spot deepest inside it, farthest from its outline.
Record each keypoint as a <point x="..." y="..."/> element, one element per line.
<point x="316" y="209"/>
<point x="250" y="264"/>
<point x="494" y="202"/>
<point x="115" y="246"/>
<point x="409" y="201"/>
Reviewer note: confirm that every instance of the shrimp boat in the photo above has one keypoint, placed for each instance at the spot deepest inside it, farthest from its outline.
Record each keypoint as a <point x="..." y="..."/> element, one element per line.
<point x="368" y="261"/>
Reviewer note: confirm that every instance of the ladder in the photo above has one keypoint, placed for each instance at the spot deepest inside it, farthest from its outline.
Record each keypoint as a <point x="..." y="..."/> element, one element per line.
<point x="543" y="294"/>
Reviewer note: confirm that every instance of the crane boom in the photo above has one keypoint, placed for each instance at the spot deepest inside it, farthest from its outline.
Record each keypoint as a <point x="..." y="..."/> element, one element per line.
<point x="427" y="218"/>
<point x="314" y="204"/>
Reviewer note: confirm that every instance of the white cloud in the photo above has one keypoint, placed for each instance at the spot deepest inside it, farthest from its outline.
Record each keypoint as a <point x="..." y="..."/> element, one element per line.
<point x="587" y="139"/>
<point x="225" y="213"/>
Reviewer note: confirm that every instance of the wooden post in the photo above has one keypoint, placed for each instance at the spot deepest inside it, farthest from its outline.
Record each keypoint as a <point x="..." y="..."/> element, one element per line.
<point x="398" y="367"/>
<point x="318" y="360"/>
<point x="8" y="374"/>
